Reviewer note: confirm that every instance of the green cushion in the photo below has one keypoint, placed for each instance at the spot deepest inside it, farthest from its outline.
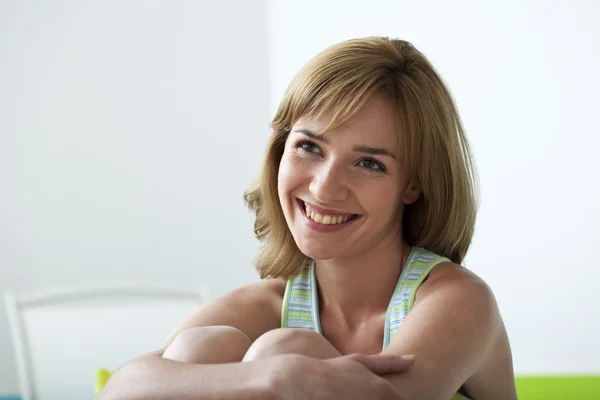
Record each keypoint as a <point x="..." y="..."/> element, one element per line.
<point x="558" y="387"/>
<point x="102" y="376"/>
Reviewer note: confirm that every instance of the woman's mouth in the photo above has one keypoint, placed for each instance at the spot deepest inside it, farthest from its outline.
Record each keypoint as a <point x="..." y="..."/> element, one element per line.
<point x="324" y="217"/>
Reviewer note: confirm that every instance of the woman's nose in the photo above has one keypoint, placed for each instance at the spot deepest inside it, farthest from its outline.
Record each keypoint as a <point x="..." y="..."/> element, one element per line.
<point x="328" y="184"/>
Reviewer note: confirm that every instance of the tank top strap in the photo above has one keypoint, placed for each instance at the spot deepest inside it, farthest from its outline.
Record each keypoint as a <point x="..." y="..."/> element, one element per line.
<point x="418" y="266"/>
<point x="301" y="301"/>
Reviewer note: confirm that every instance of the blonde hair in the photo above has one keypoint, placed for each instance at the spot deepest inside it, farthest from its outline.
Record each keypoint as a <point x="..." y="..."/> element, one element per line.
<point x="436" y="153"/>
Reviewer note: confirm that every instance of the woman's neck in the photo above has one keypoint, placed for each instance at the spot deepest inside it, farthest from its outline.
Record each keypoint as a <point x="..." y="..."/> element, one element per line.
<point x="351" y="289"/>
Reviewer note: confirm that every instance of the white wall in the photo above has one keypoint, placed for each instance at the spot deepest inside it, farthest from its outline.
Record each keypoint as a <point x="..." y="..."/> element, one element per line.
<point x="525" y="76"/>
<point x="128" y="133"/>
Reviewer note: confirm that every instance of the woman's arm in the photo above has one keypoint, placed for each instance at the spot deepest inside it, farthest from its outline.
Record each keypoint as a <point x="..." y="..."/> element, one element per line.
<point x="280" y="377"/>
<point x="453" y="330"/>
<point x="253" y="309"/>
<point x="152" y="377"/>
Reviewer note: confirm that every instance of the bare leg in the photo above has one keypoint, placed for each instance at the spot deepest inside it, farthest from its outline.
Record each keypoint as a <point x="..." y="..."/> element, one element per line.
<point x="208" y="345"/>
<point x="291" y="341"/>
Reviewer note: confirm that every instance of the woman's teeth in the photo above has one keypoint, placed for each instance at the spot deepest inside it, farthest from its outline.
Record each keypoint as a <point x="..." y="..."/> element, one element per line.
<point x="324" y="219"/>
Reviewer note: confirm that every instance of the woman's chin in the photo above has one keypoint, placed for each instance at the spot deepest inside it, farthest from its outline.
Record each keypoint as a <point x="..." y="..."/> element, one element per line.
<point x="319" y="252"/>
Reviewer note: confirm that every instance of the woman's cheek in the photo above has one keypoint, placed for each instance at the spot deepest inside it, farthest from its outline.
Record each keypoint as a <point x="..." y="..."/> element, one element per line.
<point x="287" y="169"/>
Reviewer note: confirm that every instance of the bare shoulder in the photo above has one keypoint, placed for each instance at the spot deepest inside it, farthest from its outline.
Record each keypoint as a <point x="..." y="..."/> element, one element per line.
<point x="266" y="295"/>
<point x="454" y="281"/>
<point x="451" y="288"/>
<point x="253" y="309"/>
<point x="455" y="285"/>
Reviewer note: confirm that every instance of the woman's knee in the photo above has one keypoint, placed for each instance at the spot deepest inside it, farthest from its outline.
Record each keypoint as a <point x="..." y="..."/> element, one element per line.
<point x="208" y="345"/>
<point x="291" y="341"/>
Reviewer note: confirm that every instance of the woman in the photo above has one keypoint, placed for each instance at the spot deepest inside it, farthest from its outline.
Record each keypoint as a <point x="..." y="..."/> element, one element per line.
<point x="365" y="209"/>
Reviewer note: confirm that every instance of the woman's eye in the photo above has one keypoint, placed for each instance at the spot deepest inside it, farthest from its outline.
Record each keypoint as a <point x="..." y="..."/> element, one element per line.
<point x="308" y="147"/>
<point x="371" y="164"/>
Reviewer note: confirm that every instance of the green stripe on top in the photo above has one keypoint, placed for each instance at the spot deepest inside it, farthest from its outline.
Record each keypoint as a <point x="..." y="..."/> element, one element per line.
<point x="301" y="303"/>
<point x="418" y="266"/>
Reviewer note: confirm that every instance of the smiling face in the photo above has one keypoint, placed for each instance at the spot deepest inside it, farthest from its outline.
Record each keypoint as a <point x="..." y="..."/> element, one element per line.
<point x="342" y="192"/>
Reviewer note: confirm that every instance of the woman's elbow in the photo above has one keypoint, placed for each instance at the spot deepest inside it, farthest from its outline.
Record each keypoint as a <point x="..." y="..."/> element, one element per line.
<point x="129" y="381"/>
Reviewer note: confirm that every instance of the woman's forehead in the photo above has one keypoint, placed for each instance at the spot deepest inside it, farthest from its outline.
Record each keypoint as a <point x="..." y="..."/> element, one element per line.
<point x="375" y="121"/>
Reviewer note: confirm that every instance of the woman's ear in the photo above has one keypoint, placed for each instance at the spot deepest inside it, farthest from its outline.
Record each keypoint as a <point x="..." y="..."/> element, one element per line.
<point x="411" y="194"/>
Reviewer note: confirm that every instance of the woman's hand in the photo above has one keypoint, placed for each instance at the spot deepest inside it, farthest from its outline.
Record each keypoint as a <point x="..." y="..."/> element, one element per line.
<point x="353" y="377"/>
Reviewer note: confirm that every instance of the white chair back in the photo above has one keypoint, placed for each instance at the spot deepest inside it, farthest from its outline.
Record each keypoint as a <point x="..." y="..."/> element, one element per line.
<point x="62" y="337"/>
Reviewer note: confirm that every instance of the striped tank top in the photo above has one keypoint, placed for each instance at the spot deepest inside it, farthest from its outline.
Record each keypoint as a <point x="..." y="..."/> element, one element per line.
<point x="301" y="301"/>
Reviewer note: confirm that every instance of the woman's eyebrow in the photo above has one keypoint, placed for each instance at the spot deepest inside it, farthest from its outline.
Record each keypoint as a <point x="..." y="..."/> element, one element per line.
<point x="375" y="151"/>
<point x="312" y="135"/>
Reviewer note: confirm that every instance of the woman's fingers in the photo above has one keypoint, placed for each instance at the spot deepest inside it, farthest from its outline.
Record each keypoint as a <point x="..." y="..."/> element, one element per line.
<point x="385" y="364"/>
